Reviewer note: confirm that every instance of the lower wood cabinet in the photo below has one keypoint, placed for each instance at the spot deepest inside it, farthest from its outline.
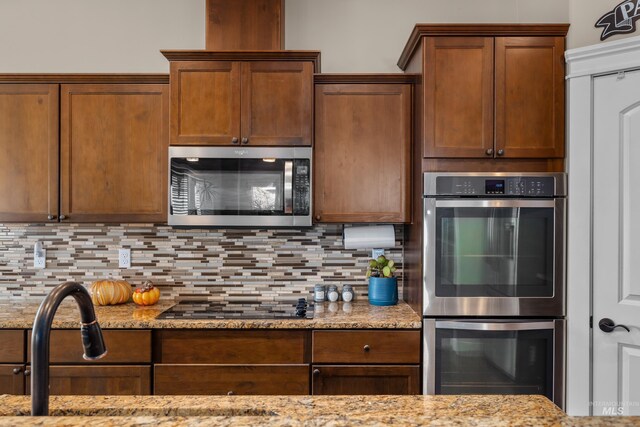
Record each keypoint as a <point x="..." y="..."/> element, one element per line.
<point x="331" y="379"/>
<point x="12" y="379"/>
<point x="99" y="380"/>
<point x="230" y="380"/>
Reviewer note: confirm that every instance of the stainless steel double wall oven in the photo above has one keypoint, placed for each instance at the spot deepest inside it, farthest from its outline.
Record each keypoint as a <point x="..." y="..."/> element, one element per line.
<point x="494" y="283"/>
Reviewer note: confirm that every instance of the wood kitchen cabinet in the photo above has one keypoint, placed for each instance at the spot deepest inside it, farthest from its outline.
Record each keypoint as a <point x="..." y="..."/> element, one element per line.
<point x="113" y="157"/>
<point x="242" y="98"/>
<point x="365" y="380"/>
<point x="99" y="380"/>
<point x="489" y="91"/>
<point x="12" y="379"/>
<point x="29" y="146"/>
<point x="363" y="149"/>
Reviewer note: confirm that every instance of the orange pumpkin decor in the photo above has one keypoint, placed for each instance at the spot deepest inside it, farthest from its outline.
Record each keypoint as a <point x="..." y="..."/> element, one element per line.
<point x="147" y="294"/>
<point x="110" y="292"/>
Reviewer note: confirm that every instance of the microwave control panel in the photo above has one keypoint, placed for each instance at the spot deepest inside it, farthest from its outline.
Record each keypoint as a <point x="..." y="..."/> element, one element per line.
<point x="521" y="186"/>
<point x="301" y="186"/>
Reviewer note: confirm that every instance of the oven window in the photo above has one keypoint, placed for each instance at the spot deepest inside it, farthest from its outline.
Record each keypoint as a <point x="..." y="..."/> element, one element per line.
<point x="487" y="362"/>
<point x="494" y="252"/>
<point x="227" y="186"/>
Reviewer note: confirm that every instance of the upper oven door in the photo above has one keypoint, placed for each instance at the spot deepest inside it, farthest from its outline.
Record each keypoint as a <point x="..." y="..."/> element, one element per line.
<point x="228" y="186"/>
<point x="499" y="257"/>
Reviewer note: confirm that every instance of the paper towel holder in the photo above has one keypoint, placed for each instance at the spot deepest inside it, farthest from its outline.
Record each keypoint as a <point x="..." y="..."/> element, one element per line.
<point x="374" y="237"/>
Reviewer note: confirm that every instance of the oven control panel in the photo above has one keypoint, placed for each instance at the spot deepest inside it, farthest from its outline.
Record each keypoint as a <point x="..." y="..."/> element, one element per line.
<point x="512" y="186"/>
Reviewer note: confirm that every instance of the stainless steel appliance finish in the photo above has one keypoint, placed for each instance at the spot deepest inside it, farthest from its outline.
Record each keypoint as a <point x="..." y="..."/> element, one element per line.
<point x="494" y="244"/>
<point x="240" y="186"/>
<point x="477" y="356"/>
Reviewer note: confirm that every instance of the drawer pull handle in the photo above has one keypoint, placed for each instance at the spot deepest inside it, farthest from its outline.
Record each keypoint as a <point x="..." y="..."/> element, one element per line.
<point x="230" y="393"/>
<point x="16" y="371"/>
<point x="316" y="372"/>
<point x="367" y="348"/>
<point x="27" y="372"/>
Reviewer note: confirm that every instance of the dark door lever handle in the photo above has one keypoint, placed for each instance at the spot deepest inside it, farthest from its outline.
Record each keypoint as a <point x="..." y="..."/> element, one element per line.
<point x="608" y="325"/>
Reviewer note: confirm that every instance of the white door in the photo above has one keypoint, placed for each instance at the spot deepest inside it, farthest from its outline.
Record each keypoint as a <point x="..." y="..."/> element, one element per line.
<point x="616" y="244"/>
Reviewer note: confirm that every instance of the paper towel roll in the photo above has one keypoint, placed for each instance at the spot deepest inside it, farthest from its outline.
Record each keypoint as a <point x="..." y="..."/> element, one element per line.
<point x="369" y="237"/>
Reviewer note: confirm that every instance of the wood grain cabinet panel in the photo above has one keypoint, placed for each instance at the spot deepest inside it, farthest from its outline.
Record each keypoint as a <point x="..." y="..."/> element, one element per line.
<point x="530" y="92"/>
<point x="123" y="346"/>
<point x="458" y="91"/>
<point x="12" y="346"/>
<point x="12" y="379"/>
<point x="225" y="379"/>
<point x="205" y="102"/>
<point x="366" y="347"/>
<point x="277" y="103"/>
<point x="99" y="380"/>
<point x="231" y="347"/>
<point x="362" y="153"/>
<point x="29" y="120"/>
<point x="114" y="141"/>
<point x="366" y="380"/>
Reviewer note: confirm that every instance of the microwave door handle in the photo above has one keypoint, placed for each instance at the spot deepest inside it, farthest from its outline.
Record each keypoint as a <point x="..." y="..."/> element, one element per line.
<point x="493" y="326"/>
<point x="288" y="187"/>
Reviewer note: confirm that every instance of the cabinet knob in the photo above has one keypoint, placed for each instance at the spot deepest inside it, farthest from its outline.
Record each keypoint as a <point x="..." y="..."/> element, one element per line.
<point x="230" y="393"/>
<point x="16" y="371"/>
<point x="63" y="217"/>
<point x="27" y="372"/>
<point x="318" y="217"/>
<point x="234" y="140"/>
<point x="489" y="152"/>
<point x="366" y="348"/>
<point x="316" y="372"/>
<point x="500" y="152"/>
<point x="51" y="217"/>
<point x="245" y="140"/>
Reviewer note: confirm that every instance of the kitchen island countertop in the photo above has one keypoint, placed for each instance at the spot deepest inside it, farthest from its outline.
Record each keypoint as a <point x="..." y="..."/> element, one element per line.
<point x="356" y="315"/>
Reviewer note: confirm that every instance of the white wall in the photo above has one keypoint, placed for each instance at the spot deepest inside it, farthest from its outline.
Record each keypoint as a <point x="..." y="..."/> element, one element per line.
<point x="369" y="35"/>
<point x="584" y="14"/>
<point x="67" y="36"/>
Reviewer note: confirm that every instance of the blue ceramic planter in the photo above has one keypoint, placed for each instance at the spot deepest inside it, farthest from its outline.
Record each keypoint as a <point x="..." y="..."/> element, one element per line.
<point x="383" y="290"/>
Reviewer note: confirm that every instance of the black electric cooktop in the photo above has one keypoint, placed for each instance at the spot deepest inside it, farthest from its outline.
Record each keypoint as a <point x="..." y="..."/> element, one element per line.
<point x="239" y="310"/>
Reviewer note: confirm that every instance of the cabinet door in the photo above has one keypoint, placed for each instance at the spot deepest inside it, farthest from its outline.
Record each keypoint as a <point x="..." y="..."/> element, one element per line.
<point x="29" y="152"/>
<point x="205" y="103"/>
<point x="231" y="379"/>
<point x="114" y="153"/>
<point x="366" y="379"/>
<point x="362" y="155"/>
<point x="99" y="380"/>
<point x="458" y="91"/>
<point x="530" y="97"/>
<point x="277" y="103"/>
<point x="12" y="379"/>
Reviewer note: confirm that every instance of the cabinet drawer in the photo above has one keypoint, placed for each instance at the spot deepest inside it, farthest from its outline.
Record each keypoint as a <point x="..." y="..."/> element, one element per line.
<point x="225" y="379"/>
<point x="122" y="346"/>
<point x="99" y="380"/>
<point x="233" y="347"/>
<point x="337" y="380"/>
<point x="12" y="348"/>
<point x="12" y="379"/>
<point x="366" y="347"/>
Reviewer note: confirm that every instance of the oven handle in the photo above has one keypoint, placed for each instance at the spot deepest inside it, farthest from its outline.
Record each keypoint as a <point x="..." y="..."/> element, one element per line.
<point x="288" y="187"/>
<point x="494" y="326"/>
<point x="496" y="203"/>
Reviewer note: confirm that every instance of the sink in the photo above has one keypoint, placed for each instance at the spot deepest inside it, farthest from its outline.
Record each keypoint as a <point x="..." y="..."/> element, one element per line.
<point x="157" y="412"/>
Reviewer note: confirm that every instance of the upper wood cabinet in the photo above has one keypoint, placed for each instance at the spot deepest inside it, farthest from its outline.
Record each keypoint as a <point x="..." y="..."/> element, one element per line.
<point x="490" y="91"/>
<point x="113" y="160"/>
<point x="29" y="147"/>
<point x="362" y="150"/>
<point x="242" y="98"/>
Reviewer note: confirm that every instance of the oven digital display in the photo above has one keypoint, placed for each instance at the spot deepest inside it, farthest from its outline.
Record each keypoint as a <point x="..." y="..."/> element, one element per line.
<point x="494" y="186"/>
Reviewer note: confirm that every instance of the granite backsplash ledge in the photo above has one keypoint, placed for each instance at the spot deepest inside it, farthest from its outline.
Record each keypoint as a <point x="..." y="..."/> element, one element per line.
<point x="186" y="263"/>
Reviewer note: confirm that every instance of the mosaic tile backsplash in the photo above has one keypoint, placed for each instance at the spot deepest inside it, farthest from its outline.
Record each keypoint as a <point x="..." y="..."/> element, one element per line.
<point x="233" y="264"/>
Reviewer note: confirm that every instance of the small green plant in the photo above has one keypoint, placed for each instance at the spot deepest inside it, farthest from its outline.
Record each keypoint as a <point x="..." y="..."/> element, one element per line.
<point x="381" y="267"/>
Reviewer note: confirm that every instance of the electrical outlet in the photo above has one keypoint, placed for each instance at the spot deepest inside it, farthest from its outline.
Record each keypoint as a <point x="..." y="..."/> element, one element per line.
<point x="124" y="258"/>
<point x="39" y="256"/>
<point x="375" y="253"/>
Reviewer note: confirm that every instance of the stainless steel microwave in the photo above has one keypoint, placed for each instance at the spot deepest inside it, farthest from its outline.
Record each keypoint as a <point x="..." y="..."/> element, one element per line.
<point x="240" y="186"/>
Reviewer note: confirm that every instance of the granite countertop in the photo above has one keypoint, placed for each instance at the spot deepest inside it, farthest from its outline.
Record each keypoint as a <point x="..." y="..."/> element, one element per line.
<point x="355" y="315"/>
<point x="102" y="411"/>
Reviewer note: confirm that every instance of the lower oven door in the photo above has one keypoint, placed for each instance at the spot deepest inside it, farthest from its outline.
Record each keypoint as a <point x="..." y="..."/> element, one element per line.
<point x="494" y="257"/>
<point x="494" y="357"/>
